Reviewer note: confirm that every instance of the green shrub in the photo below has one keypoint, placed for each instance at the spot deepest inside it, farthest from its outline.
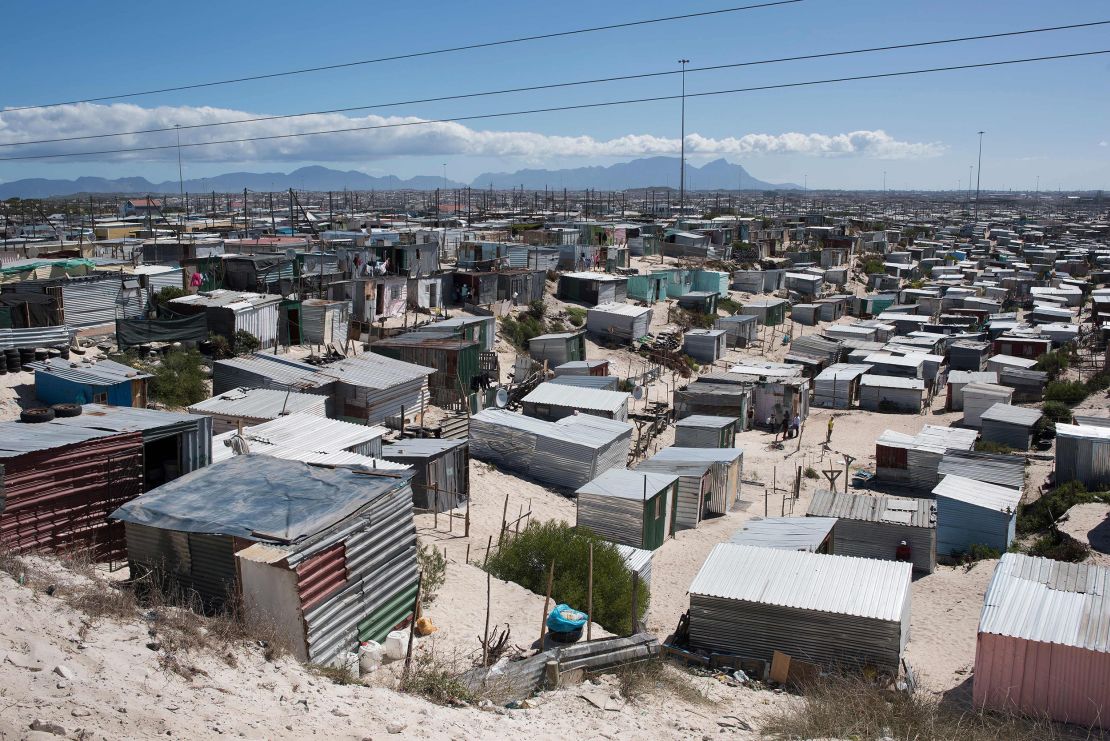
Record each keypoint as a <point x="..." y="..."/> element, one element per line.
<point x="1054" y="362"/>
<point x="518" y="331"/>
<point x="576" y="315"/>
<point x="1067" y="392"/>
<point x="219" y="347"/>
<point x="1042" y="513"/>
<point x="433" y="565"/>
<point x="1055" y="411"/>
<point x="811" y="473"/>
<point x="873" y="265"/>
<point x="537" y="309"/>
<point x="525" y="559"/>
<point x="1098" y="382"/>
<point x="179" y="380"/>
<point x="986" y="446"/>
<point x="730" y="306"/>
<point x="1059" y="548"/>
<point x="245" y="343"/>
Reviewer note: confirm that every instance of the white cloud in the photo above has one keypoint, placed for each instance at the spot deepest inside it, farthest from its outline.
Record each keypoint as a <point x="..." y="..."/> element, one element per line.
<point x="1103" y="144"/>
<point x="410" y="140"/>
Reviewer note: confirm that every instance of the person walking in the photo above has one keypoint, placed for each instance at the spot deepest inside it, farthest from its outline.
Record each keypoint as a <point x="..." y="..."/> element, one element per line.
<point x="796" y="426"/>
<point x="828" y="435"/>
<point x="785" y="425"/>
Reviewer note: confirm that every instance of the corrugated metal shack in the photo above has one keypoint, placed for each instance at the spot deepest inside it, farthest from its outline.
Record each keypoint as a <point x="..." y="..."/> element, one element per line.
<point x="558" y="348"/>
<point x="81" y="381"/>
<point x="805" y="314"/>
<point x="1028" y="385"/>
<point x="1010" y="425"/>
<point x="1083" y="454"/>
<point x="1043" y="647"/>
<point x="583" y="368"/>
<point x="328" y="556"/>
<point x="592" y="288"/>
<point x="991" y="468"/>
<point x="834" y="611"/>
<point x="777" y="388"/>
<point x="727" y="470"/>
<point x="873" y="526"/>
<point x="699" y="302"/>
<point x="768" y="311"/>
<point x="809" y="534"/>
<point x="647" y="288"/>
<point x="914" y="459"/>
<point x="837" y="387"/>
<point x="618" y="322"/>
<point x="603" y="383"/>
<point x="695" y="488"/>
<point x="228" y="312"/>
<point x="704" y="345"/>
<point x="521" y="286"/>
<point x="61" y="479"/>
<point x="979" y="397"/>
<point x="971" y="513"/>
<point x="441" y="468"/>
<point x="957" y="380"/>
<point x="968" y="355"/>
<point x="301" y="436"/>
<point x="891" y="394"/>
<point x="632" y="508"/>
<point x="480" y="329"/>
<point x="247" y="406"/>
<point x="705" y="431"/>
<point x="325" y="322"/>
<point x="455" y="361"/>
<point x="263" y="370"/>
<point x="704" y="397"/>
<point x="567" y="453"/>
<point x="813" y="353"/>
<point x="740" y="328"/>
<point x="553" y="401"/>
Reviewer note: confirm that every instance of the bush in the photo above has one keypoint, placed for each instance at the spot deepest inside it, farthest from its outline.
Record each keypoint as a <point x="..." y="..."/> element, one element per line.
<point x="245" y="343"/>
<point x="519" y="331"/>
<point x="979" y="552"/>
<point x="433" y="564"/>
<point x="873" y="265"/>
<point x="1098" y="382"/>
<point x="537" y="309"/>
<point x="179" y="380"/>
<point x="1053" y="362"/>
<point x="730" y="306"/>
<point x="1067" y="392"/>
<point x="576" y="315"/>
<point x="1042" y="513"/>
<point x="811" y="473"/>
<point x="1055" y="411"/>
<point x="986" y="446"/>
<point x="219" y="347"/>
<point x="525" y="559"/>
<point x="1059" y="548"/>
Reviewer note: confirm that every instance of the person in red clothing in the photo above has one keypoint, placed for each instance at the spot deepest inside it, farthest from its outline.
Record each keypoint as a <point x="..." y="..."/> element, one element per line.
<point x="903" y="552"/>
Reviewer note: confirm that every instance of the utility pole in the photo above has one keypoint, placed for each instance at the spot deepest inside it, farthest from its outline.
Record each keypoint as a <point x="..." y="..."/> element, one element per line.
<point x="682" y="148"/>
<point x="978" y="175"/>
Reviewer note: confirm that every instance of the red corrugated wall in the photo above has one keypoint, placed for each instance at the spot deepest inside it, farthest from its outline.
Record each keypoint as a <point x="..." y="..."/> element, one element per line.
<point x="61" y="498"/>
<point x="322" y="575"/>
<point x="1065" y="683"/>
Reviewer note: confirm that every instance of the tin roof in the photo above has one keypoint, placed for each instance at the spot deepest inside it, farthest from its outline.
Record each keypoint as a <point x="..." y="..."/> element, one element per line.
<point x="1012" y="415"/>
<point x="785" y="533"/>
<point x="260" y="403"/>
<point x="621" y="309"/>
<point x="303" y="433"/>
<point x="993" y="468"/>
<point x="420" y="447"/>
<point x="911" y="512"/>
<point x="257" y="498"/>
<point x="863" y="587"/>
<point x="978" y="493"/>
<point x="713" y="455"/>
<point x="1091" y="432"/>
<point x="892" y="382"/>
<point x="577" y="397"/>
<point x="375" y="371"/>
<point x="1046" y="601"/>
<point x="234" y="300"/>
<point x="625" y="484"/>
<point x="100" y="373"/>
<point x="705" y="420"/>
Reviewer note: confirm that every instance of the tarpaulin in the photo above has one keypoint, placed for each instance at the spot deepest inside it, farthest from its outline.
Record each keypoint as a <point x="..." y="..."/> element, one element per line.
<point x="130" y="332"/>
<point x="30" y="309"/>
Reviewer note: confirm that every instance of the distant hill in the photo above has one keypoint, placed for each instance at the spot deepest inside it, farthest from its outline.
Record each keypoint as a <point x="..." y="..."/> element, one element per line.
<point x="640" y="173"/>
<point x="306" y="178"/>
<point x="648" y="172"/>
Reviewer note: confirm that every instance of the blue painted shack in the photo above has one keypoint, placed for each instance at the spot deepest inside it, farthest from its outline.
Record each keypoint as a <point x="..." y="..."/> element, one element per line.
<point x="60" y="381"/>
<point x="971" y="512"/>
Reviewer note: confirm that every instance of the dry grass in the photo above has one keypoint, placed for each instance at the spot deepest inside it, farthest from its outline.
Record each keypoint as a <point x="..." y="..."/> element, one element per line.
<point x="436" y="679"/>
<point x="335" y="674"/>
<point x="836" y="707"/>
<point x="655" y="677"/>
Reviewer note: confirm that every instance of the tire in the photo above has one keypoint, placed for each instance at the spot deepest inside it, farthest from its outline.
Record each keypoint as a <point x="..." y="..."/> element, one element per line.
<point x="37" y="415"/>
<point x="67" y="410"/>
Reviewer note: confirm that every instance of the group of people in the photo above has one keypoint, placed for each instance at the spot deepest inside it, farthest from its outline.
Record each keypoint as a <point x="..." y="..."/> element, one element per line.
<point x="790" y="426"/>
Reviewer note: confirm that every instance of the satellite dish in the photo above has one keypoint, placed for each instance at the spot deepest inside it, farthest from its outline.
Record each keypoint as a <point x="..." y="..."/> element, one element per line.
<point x="638" y="393"/>
<point x="501" y="399"/>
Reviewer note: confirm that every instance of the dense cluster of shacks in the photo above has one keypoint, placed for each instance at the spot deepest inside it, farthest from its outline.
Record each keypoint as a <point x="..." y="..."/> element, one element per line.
<point x="292" y="490"/>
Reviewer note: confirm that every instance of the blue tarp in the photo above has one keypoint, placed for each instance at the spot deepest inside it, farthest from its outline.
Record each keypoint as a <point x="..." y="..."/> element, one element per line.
<point x="565" y="619"/>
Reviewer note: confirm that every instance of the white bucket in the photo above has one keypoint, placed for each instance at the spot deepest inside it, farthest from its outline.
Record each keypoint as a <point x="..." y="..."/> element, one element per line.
<point x="396" y="644"/>
<point x="369" y="656"/>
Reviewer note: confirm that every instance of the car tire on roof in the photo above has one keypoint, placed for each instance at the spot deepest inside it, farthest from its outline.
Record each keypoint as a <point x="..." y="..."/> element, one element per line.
<point x="66" y="410"/>
<point x="38" y="414"/>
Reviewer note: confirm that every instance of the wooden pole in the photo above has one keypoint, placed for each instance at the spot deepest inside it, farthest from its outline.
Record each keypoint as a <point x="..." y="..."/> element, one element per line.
<point x="485" y="635"/>
<point x="547" y="602"/>
<point x="635" y="584"/>
<point x="467" y="522"/>
<point x="412" y="625"/>
<point x="590" y="597"/>
<point x="489" y="545"/>
<point x="504" y="514"/>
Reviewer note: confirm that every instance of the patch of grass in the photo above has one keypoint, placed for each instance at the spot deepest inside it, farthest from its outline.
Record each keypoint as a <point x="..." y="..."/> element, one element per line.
<point x="1058" y="547"/>
<point x="987" y="446"/>
<point x="525" y="559"/>
<point x="576" y="315"/>
<point x="730" y="306"/>
<point x="340" y="675"/>
<point x="1054" y="362"/>
<point x="521" y="329"/>
<point x="845" y="707"/>
<point x="655" y="677"/>
<point x="873" y="265"/>
<point x="1066" y="392"/>
<point x="1055" y="411"/>
<point x="1098" y="382"/>
<point x="435" y="681"/>
<point x="811" y="473"/>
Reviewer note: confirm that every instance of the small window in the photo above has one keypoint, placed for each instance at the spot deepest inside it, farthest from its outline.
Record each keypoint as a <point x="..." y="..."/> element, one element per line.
<point x="101" y="398"/>
<point x="394" y="292"/>
<point x="658" y="507"/>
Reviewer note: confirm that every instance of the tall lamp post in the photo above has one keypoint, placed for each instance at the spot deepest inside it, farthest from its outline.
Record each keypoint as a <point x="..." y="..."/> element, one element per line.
<point x="682" y="149"/>
<point x="978" y="174"/>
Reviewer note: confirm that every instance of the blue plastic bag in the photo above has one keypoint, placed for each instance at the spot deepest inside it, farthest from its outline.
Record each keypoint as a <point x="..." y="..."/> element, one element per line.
<point x="565" y="619"/>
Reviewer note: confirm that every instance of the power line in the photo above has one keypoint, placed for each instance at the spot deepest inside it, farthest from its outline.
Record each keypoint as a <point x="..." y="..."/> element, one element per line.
<point x="580" y="106"/>
<point x="549" y="86"/>
<point x="414" y="55"/>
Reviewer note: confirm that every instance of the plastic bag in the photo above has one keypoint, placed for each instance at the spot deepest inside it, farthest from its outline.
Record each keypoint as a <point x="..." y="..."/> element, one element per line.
<point x="565" y="619"/>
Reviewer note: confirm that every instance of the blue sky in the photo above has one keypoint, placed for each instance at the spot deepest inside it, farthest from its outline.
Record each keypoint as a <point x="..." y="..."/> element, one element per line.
<point x="1050" y="119"/>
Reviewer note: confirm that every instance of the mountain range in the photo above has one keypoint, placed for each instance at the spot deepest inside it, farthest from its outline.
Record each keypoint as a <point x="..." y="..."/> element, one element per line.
<point x="646" y="172"/>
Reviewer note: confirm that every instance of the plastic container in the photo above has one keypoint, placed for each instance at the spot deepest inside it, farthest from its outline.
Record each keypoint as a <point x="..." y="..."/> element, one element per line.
<point x="396" y="643"/>
<point x="369" y="656"/>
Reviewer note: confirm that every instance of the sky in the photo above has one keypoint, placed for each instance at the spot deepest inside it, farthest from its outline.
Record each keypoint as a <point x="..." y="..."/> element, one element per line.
<point x="1046" y="122"/>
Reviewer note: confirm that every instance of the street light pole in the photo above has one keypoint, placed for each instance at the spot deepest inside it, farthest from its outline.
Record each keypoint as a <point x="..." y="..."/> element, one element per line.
<point x="682" y="149"/>
<point x="978" y="174"/>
